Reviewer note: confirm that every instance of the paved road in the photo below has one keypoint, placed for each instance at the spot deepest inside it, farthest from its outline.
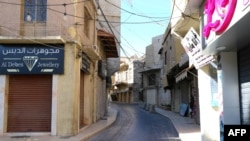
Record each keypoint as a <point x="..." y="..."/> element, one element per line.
<point x="136" y="124"/>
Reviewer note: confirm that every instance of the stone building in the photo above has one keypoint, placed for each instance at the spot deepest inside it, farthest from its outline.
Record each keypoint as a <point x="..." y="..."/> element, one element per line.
<point x="53" y="66"/>
<point x="151" y="82"/>
<point x="179" y="75"/>
<point x="127" y="81"/>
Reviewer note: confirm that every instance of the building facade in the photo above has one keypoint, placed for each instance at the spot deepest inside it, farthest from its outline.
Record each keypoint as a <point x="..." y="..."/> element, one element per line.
<point x="179" y="76"/>
<point x="151" y="73"/>
<point x="52" y="79"/>
<point x="219" y="52"/>
<point x="127" y="81"/>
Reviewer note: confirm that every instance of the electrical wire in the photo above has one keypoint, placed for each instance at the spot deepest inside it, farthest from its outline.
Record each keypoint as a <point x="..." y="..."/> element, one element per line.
<point x="132" y="12"/>
<point x="71" y="15"/>
<point x="32" y="40"/>
<point x="143" y="15"/>
<point x="57" y="12"/>
<point x="62" y="4"/>
<point x="151" y="18"/>
<point x="127" y="42"/>
<point x="148" y="22"/>
<point x="111" y="28"/>
<point x="183" y="14"/>
<point x="89" y="19"/>
<point x="66" y="14"/>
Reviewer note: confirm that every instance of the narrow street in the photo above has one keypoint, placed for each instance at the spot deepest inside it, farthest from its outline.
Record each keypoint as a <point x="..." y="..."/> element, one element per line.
<point x="136" y="124"/>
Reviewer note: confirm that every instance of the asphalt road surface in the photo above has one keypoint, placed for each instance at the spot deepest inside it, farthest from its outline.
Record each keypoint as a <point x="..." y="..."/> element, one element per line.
<point x="136" y="124"/>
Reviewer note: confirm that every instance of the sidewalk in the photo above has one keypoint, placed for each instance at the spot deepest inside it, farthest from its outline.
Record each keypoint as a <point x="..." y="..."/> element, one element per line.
<point x="84" y="134"/>
<point x="186" y="127"/>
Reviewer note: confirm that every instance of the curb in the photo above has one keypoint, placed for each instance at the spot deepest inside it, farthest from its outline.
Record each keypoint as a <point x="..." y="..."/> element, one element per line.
<point x="95" y="128"/>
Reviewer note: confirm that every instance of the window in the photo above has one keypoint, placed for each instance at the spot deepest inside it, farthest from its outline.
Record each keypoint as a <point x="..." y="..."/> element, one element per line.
<point x="87" y="18"/>
<point x="151" y="79"/>
<point x="165" y="60"/>
<point x="35" y="10"/>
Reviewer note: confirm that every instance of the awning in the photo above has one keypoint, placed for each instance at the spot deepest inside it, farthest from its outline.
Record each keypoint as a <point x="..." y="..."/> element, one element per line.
<point x="183" y="74"/>
<point x="150" y="70"/>
<point x="108" y="43"/>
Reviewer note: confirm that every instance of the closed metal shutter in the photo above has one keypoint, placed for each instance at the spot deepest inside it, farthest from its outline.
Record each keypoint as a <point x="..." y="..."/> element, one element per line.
<point x="244" y="76"/>
<point x="29" y="103"/>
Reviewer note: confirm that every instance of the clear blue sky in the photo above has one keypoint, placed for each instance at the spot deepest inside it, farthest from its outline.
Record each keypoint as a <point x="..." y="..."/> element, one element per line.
<point x="142" y="20"/>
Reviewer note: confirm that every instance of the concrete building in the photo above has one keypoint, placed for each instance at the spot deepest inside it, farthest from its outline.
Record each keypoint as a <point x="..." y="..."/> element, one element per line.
<point x="179" y="76"/>
<point x="127" y="81"/>
<point x="53" y="72"/>
<point x="220" y="54"/>
<point x="152" y="73"/>
<point x="109" y="27"/>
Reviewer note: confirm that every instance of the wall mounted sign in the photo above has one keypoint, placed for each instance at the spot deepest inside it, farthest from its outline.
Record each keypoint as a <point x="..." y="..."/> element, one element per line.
<point x="218" y="15"/>
<point x="192" y="45"/>
<point x="31" y="59"/>
<point x="224" y="24"/>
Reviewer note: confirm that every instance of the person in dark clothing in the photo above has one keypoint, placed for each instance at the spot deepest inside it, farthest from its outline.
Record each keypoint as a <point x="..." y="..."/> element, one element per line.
<point x="191" y="105"/>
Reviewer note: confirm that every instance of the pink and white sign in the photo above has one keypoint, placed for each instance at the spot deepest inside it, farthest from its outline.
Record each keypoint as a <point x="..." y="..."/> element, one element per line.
<point x="245" y="3"/>
<point x="218" y="15"/>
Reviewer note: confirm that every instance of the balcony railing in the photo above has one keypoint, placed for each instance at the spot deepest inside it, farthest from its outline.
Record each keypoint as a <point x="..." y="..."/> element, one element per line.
<point x="37" y="30"/>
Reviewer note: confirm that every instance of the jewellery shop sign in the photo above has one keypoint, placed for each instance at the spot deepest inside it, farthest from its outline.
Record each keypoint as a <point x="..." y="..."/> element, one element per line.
<point x="31" y="59"/>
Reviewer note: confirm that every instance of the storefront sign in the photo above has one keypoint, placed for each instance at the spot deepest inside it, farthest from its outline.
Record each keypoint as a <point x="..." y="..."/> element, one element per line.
<point x="221" y="21"/>
<point x="192" y="45"/>
<point x="218" y="15"/>
<point x="31" y="59"/>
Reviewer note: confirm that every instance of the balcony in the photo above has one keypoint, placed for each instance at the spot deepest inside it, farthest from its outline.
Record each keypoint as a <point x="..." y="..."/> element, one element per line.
<point x="32" y="32"/>
<point x="188" y="13"/>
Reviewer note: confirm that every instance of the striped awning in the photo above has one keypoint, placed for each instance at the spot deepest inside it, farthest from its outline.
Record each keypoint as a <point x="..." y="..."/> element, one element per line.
<point x="184" y="73"/>
<point x="181" y="75"/>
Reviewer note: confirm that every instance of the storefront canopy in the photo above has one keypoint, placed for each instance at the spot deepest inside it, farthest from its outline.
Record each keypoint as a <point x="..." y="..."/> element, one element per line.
<point x="184" y="74"/>
<point x="109" y="44"/>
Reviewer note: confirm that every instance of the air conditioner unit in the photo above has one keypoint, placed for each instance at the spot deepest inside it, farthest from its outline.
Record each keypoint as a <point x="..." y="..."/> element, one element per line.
<point x="102" y="70"/>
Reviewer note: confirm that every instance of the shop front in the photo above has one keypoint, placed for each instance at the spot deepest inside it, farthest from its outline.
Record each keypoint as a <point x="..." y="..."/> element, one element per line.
<point x="225" y="32"/>
<point x="26" y="75"/>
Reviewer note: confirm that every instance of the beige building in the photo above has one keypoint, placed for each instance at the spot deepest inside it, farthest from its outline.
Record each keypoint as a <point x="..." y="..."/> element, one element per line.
<point x="126" y="82"/>
<point x="152" y="88"/>
<point x="53" y="66"/>
<point x="179" y="77"/>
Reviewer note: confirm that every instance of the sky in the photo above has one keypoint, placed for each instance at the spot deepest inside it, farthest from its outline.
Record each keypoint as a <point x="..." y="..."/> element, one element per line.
<point x="140" y="21"/>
